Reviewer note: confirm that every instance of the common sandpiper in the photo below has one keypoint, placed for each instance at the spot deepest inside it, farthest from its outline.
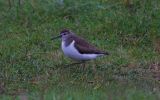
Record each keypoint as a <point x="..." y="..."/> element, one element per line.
<point x="78" y="48"/>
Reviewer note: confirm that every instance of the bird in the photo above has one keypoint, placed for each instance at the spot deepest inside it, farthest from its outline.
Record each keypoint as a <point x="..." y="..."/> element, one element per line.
<point x="77" y="48"/>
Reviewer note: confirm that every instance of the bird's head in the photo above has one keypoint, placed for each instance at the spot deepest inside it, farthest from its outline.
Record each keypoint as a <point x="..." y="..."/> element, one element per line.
<point x="63" y="34"/>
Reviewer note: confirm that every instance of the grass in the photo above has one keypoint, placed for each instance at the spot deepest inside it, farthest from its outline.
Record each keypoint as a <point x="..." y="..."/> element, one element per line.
<point x="33" y="67"/>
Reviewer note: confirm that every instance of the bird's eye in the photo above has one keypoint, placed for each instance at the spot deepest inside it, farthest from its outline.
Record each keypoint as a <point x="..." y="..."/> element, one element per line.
<point x="65" y="33"/>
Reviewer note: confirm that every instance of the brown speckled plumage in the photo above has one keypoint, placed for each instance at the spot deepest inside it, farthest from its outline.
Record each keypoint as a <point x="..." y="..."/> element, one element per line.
<point x="83" y="46"/>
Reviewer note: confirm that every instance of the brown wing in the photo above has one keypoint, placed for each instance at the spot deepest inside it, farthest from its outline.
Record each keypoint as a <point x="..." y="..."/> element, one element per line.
<point x="85" y="47"/>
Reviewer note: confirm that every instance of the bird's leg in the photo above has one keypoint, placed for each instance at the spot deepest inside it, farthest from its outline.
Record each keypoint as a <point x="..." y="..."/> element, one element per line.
<point x="83" y="66"/>
<point x="76" y="63"/>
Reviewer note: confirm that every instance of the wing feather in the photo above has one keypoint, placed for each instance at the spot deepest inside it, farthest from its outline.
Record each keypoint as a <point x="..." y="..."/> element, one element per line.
<point x="85" y="47"/>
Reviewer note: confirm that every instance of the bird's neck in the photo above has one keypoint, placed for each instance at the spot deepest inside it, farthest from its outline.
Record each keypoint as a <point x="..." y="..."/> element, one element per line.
<point x="67" y="40"/>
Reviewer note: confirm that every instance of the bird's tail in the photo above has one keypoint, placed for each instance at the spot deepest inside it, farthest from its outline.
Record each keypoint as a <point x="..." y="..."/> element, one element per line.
<point x="106" y="53"/>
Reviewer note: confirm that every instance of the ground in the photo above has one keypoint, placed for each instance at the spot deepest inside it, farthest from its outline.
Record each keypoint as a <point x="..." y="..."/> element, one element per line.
<point x="33" y="67"/>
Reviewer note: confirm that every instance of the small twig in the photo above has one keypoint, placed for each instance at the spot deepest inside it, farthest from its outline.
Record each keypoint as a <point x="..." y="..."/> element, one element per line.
<point x="73" y="64"/>
<point x="65" y="65"/>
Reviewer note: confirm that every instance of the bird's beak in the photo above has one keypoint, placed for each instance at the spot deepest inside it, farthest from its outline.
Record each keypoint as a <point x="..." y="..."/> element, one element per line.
<point x="59" y="36"/>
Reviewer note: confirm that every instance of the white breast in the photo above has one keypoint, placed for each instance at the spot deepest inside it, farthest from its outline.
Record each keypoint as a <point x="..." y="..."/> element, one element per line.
<point x="73" y="53"/>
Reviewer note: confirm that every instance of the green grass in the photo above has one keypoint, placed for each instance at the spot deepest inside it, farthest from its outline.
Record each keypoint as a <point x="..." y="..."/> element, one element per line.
<point x="32" y="66"/>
